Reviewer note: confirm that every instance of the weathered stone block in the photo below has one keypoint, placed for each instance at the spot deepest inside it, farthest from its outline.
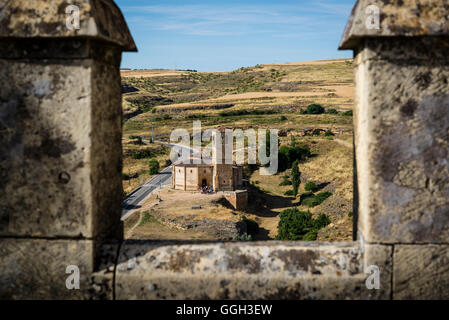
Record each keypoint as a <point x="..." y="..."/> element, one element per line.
<point x="379" y="258"/>
<point x="100" y="19"/>
<point x="243" y="271"/>
<point x="36" y="269"/>
<point x="44" y="277"/>
<point x="421" y="272"/>
<point x="60" y="147"/>
<point x="396" y="18"/>
<point x="401" y="135"/>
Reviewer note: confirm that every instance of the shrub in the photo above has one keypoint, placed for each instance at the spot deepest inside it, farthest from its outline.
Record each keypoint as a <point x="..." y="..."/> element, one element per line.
<point x="146" y="217"/>
<point x="331" y="111"/>
<point x="297" y="225"/>
<point x="236" y="113"/>
<point x="283" y="118"/>
<point x="305" y="196"/>
<point x="164" y="117"/>
<point x="348" y="113"/>
<point x="293" y="224"/>
<point x="154" y="167"/>
<point x="288" y="155"/>
<point x="142" y="154"/>
<point x="311" y="186"/>
<point x="285" y="181"/>
<point x="329" y="133"/>
<point x="196" y="116"/>
<point x="283" y="163"/>
<point x="243" y="237"/>
<point x="289" y="193"/>
<point x="311" y="235"/>
<point x="125" y="176"/>
<point x="315" y="200"/>
<point x="313" y="109"/>
<point x="252" y="226"/>
<point x="295" y="177"/>
<point x="138" y="140"/>
<point x="321" y="221"/>
<point x="268" y="143"/>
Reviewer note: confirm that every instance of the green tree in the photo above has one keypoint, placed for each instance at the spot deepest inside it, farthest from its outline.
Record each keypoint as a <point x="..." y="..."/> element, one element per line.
<point x="311" y="186"/>
<point x="139" y="141"/>
<point x="295" y="177"/>
<point x="292" y="141"/>
<point x="313" y="109"/>
<point x="298" y="225"/>
<point x="154" y="167"/>
<point x="287" y="155"/>
<point x="267" y="142"/>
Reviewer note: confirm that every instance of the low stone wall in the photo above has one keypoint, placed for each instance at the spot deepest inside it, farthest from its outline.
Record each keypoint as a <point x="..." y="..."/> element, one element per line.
<point x="60" y="170"/>
<point x="238" y="199"/>
<point x="278" y="270"/>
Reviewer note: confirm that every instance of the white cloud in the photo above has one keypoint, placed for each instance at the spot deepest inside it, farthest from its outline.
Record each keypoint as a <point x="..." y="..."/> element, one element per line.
<point x="220" y="20"/>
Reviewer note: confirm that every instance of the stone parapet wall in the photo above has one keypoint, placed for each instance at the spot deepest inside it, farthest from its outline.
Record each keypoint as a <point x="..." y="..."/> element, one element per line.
<point x="60" y="168"/>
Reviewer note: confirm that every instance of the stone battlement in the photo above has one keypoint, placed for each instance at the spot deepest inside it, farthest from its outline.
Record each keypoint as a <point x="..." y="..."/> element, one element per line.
<point x="60" y="170"/>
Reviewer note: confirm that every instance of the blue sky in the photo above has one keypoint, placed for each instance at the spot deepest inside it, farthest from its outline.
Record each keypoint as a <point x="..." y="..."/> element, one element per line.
<point x="226" y="35"/>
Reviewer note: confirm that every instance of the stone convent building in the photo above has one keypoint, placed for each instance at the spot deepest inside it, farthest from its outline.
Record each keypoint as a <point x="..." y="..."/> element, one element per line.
<point x="216" y="174"/>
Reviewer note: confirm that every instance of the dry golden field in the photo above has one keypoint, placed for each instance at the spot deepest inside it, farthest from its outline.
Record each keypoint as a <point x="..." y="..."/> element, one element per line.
<point x="263" y="96"/>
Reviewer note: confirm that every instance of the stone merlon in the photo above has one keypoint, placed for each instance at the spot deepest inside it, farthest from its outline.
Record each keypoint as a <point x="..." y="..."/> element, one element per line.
<point x="398" y="18"/>
<point x="99" y="19"/>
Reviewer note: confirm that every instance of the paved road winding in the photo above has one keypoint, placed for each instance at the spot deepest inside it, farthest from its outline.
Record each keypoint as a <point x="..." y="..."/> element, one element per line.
<point x="135" y="199"/>
<point x="138" y="196"/>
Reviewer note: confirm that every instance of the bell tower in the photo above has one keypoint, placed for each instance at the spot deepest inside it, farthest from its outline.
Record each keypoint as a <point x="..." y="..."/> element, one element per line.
<point x="222" y="159"/>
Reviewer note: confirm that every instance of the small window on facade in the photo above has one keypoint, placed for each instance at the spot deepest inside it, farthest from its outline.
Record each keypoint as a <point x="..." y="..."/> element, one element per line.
<point x="191" y="170"/>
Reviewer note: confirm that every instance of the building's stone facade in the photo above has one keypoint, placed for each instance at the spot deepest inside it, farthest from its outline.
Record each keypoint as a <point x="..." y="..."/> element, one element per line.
<point x="238" y="199"/>
<point x="60" y="170"/>
<point x="192" y="177"/>
<point x="221" y="174"/>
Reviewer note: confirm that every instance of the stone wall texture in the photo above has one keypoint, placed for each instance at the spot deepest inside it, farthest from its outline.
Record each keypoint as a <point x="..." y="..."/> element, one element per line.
<point x="249" y="271"/>
<point x="100" y="19"/>
<point x="397" y="18"/>
<point x="402" y="140"/>
<point x="60" y="168"/>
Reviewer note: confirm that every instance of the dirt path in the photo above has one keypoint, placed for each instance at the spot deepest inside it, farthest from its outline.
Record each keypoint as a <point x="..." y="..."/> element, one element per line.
<point x="344" y="143"/>
<point x="130" y="231"/>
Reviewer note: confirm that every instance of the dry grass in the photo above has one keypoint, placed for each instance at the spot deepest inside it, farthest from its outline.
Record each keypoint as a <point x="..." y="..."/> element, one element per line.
<point x="150" y="73"/>
<point x="286" y="88"/>
<point x="140" y="167"/>
<point x="183" y="202"/>
<point x="177" y="205"/>
<point x="333" y="164"/>
<point x="308" y="63"/>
